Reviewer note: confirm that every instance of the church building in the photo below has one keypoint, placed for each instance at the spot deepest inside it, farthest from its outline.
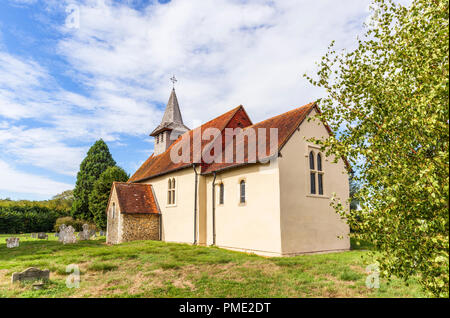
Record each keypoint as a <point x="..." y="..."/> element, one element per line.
<point x="272" y="203"/>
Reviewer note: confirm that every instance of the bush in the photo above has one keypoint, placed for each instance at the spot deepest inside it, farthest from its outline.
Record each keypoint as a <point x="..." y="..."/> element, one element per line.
<point x="25" y="219"/>
<point x="68" y="220"/>
<point x="76" y="224"/>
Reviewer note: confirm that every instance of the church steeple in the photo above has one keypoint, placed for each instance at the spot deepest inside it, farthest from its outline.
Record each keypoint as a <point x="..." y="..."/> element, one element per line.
<point x="172" y="113"/>
<point x="171" y="124"/>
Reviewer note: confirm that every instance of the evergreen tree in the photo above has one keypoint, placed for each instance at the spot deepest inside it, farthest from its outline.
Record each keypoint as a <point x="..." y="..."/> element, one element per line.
<point x="98" y="199"/>
<point x="98" y="159"/>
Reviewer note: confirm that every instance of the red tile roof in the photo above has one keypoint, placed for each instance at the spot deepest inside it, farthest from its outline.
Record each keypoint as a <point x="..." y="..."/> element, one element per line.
<point x="162" y="164"/>
<point x="136" y="198"/>
<point x="285" y="123"/>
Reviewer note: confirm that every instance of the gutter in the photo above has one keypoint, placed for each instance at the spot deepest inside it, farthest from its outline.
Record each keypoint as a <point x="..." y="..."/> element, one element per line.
<point x="159" y="174"/>
<point x="195" y="204"/>
<point x="214" y="208"/>
<point x="242" y="164"/>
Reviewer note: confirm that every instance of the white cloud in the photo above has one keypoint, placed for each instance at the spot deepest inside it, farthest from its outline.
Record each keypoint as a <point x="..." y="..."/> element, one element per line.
<point x="224" y="53"/>
<point x="41" y="148"/>
<point x="12" y="180"/>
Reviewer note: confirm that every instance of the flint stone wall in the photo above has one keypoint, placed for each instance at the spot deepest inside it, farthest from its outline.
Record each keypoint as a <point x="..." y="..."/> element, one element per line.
<point x="126" y="227"/>
<point x="140" y="227"/>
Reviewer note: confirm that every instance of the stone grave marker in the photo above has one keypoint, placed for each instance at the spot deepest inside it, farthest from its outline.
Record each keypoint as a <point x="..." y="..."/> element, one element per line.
<point x="31" y="273"/>
<point x="86" y="234"/>
<point x="67" y="235"/>
<point x="34" y="235"/>
<point x="61" y="232"/>
<point x="42" y="236"/>
<point x="12" y="242"/>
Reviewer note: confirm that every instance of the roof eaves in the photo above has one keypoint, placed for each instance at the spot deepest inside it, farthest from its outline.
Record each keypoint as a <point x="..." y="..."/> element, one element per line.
<point x="296" y="127"/>
<point x="159" y="213"/>
<point x="238" y="165"/>
<point x="118" y="196"/>
<point x="330" y="132"/>
<point x="161" y="174"/>
<point x="155" y="199"/>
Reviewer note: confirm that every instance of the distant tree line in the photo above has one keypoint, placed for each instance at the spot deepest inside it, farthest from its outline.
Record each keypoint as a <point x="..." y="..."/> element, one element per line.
<point x="33" y="216"/>
<point x="86" y="203"/>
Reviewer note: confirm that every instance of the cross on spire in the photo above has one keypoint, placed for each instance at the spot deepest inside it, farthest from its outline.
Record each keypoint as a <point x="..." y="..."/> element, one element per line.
<point x="173" y="79"/>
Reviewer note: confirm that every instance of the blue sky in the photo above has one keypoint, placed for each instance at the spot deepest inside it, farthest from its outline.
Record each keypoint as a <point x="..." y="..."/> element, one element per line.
<point x="72" y="72"/>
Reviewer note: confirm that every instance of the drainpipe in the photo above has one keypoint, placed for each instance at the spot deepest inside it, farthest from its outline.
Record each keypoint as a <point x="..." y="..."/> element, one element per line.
<point x="214" y="208"/>
<point x="195" y="205"/>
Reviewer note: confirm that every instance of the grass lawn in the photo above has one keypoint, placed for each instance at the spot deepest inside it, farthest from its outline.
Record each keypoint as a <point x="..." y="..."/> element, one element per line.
<point x="158" y="269"/>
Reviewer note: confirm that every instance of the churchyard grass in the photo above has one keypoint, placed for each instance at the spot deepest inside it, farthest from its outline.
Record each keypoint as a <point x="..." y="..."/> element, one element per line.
<point x="159" y="269"/>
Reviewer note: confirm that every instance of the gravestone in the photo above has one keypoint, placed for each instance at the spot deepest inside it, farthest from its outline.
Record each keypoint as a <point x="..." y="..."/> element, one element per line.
<point x="42" y="236"/>
<point x="102" y="233"/>
<point x="67" y="235"/>
<point x="86" y="234"/>
<point x="12" y="242"/>
<point x="31" y="273"/>
<point x="56" y="234"/>
<point x="61" y="232"/>
<point x="34" y="235"/>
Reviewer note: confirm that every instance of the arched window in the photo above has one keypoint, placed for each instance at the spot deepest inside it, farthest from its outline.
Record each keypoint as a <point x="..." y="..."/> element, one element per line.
<point x="157" y="139"/>
<point x="162" y="137"/>
<point x="221" y="193"/>
<point x="242" y="191"/>
<point x="171" y="191"/>
<point x="312" y="173"/>
<point x="315" y="168"/>
<point x="113" y="210"/>
<point x="319" y="162"/>
<point x="319" y="173"/>
<point x="311" y="160"/>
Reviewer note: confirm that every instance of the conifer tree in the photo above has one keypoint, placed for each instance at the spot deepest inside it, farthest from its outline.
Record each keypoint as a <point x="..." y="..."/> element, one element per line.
<point x="98" y="159"/>
<point x="98" y="199"/>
